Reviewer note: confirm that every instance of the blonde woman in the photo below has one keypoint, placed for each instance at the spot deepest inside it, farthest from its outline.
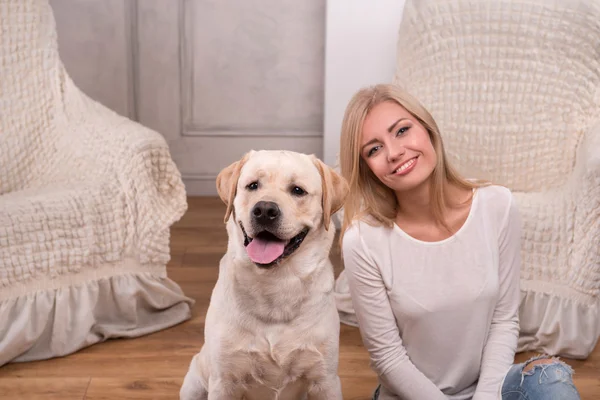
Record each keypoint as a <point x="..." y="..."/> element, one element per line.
<point x="432" y="261"/>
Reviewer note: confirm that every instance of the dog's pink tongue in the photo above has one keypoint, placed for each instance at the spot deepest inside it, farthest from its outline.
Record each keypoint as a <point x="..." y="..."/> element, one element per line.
<point x="264" y="251"/>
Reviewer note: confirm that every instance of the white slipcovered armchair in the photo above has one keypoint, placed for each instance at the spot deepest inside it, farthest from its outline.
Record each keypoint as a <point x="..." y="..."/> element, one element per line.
<point x="515" y="88"/>
<point x="87" y="198"/>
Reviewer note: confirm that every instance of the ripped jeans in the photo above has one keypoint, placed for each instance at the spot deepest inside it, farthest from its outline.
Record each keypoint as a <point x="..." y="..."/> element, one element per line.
<point x="552" y="381"/>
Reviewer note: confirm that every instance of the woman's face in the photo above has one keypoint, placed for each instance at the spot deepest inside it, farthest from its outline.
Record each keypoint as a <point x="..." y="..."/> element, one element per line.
<point x="396" y="147"/>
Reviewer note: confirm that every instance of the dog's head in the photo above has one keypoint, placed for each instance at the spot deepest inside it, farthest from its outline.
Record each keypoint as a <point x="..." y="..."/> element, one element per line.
<point x="278" y="198"/>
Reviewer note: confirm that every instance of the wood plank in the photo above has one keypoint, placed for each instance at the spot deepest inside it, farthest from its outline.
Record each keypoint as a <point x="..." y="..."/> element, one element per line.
<point x="43" y="388"/>
<point x="134" y="388"/>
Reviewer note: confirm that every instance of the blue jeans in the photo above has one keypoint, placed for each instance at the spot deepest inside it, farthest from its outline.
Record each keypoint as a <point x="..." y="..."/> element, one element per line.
<point x="551" y="381"/>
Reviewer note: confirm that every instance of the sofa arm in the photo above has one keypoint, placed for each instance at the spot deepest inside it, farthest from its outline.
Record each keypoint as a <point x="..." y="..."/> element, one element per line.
<point x="585" y="189"/>
<point x="122" y="152"/>
<point x="588" y="152"/>
<point x="153" y="187"/>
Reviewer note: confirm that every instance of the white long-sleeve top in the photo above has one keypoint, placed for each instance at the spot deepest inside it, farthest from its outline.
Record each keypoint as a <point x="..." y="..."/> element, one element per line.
<point x="440" y="319"/>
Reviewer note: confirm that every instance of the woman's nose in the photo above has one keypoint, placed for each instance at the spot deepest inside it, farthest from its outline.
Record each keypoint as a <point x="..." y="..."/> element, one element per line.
<point x="395" y="152"/>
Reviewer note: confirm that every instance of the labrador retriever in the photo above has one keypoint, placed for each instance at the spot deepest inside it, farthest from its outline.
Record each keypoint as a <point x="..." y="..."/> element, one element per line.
<point x="272" y="326"/>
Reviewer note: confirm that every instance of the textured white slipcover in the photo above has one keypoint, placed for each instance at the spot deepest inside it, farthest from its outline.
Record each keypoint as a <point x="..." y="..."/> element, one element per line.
<point x="515" y="89"/>
<point x="86" y="201"/>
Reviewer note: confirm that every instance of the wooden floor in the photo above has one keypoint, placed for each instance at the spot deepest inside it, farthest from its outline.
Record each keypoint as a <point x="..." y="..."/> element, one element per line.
<point x="152" y="367"/>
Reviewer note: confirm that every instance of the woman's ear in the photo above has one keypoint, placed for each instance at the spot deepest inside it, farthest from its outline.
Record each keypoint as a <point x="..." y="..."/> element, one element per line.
<point x="335" y="189"/>
<point x="227" y="181"/>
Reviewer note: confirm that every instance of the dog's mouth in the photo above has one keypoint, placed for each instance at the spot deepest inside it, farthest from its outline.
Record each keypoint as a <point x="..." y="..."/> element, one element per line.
<point x="266" y="250"/>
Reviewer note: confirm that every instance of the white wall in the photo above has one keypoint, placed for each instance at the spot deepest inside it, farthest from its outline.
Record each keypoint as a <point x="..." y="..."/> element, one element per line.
<point x="215" y="78"/>
<point x="94" y="41"/>
<point x="360" y="45"/>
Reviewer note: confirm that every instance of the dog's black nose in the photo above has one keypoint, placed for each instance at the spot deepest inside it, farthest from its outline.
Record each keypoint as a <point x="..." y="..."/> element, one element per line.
<point x="265" y="212"/>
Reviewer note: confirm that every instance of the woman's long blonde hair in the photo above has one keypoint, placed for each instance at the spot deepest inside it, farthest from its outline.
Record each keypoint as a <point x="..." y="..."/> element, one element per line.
<point x="368" y="196"/>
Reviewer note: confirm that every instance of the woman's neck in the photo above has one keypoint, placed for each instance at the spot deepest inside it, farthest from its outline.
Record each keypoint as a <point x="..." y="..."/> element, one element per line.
<point x="416" y="216"/>
<point x="415" y="204"/>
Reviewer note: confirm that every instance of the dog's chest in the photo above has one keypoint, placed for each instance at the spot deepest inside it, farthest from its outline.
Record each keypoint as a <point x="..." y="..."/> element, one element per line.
<point x="276" y="362"/>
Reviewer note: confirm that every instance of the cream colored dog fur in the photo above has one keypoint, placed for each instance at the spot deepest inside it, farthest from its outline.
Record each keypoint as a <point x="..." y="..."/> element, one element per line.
<point x="272" y="327"/>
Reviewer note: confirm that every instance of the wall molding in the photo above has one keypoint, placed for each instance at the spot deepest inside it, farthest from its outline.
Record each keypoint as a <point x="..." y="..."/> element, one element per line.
<point x="248" y="133"/>
<point x="186" y="62"/>
<point x="191" y="128"/>
<point x="132" y="57"/>
<point x="199" y="177"/>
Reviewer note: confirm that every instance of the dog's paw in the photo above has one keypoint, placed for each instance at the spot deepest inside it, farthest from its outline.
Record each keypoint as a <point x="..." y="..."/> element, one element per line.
<point x="192" y="388"/>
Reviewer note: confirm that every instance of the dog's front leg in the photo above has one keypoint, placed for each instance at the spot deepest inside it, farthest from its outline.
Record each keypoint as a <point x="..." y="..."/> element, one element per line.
<point x="329" y="388"/>
<point x="222" y="389"/>
<point x="193" y="387"/>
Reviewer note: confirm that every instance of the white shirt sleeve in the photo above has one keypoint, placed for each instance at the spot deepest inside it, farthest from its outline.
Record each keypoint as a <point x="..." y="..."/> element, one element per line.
<point x="379" y="330"/>
<point x="499" y="351"/>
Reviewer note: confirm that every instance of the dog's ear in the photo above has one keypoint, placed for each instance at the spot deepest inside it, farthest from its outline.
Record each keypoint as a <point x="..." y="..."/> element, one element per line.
<point x="227" y="181"/>
<point x="335" y="190"/>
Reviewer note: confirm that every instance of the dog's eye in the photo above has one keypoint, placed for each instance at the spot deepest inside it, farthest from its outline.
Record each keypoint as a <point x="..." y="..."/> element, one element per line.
<point x="252" y="186"/>
<point x="298" y="191"/>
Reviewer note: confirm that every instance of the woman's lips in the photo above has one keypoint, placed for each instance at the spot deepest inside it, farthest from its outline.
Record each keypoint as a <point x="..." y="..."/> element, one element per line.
<point x="406" y="167"/>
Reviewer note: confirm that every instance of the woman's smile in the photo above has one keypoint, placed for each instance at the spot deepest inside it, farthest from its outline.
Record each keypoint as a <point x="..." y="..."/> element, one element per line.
<point x="405" y="167"/>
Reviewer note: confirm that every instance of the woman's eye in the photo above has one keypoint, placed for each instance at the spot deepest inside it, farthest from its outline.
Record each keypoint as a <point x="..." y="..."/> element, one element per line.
<point x="252" y="186"/>
<point x="402" y="130"/>
<point x="298" y="191"/>
<point x="372" y="151"/>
